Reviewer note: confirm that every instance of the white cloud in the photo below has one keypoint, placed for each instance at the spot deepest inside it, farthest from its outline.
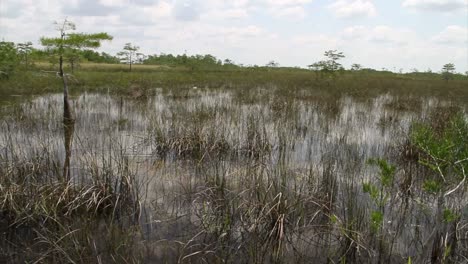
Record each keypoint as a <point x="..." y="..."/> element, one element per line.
<point x="381" y="34"/>
<point x="296" y="12"/>
<point x="355" y="32"/>
<point x="239" y="3"/>
<point x="10" y="9"/>
<point x="353" y="8"/>
<point x="388" y="35"/>
<point x="89" y="8"/>
<point x="28" y="26"/>
<point x="395" y="48"/>
<point x="233" y="13"/>
<point x="244" y="32"/>
<point x="187" y="10"/>
<point x="294" y="9"/>
<point x="436" y="5"/>
<point x="321" y="40"/>
<point x="208" y="32"/>
<point x="114" y="3"/>
<point x="191" y="10"/>
<point x="279" y="3"/>
<point x="160" y="10"/>
<point x="452" y="35"/>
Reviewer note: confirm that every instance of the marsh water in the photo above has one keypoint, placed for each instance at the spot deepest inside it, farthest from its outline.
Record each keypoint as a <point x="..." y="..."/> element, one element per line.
<point x="178" y="145"/>
<point x="305" y="132"/>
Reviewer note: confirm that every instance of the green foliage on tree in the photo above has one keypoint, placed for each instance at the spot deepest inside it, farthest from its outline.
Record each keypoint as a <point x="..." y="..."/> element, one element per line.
<point x="272" y="64"/>
<point x="93" y="56"/>
<point x="65" y="45"/>
<point x="68" y="43"/>
<point x="8" y="59"/>
<point x="333" y="57"/>
<point x="330" y="66"/>
<point x="194" y="62"/>
<point x="73" y="57"/>
<point x="356" y="67"/>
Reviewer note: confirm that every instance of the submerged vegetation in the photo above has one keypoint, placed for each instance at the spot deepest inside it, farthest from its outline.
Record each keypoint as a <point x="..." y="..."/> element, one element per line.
<point x="196" y="160"/>
<point x="219" y="175"/>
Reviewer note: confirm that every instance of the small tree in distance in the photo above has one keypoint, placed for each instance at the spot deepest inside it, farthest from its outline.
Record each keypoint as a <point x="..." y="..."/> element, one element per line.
<point x="129" y="54"/>
<point x="333" y="57"/>
<point x="318" y="66"/>
<point x="331" y="65"/>
<point x="447" y="71"/>
<point x="72" y="56"/>
<point x="24" y="49"/>
<point x="272" y="64"/>
<point x="356" y="67"/>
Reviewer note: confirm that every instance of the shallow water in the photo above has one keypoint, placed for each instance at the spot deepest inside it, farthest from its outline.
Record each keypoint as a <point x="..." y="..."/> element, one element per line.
<point x="303" y="131"/>
<point x="174" y="144"/>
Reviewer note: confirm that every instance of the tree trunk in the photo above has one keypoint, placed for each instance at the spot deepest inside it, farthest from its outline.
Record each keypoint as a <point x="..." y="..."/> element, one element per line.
<point x="67" y="110"/>
<point x="69" y="129"/>
<point x="68" y="124"/>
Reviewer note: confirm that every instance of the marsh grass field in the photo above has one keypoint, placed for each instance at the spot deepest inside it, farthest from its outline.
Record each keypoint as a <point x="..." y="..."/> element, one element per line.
<point x="244" y="166"/>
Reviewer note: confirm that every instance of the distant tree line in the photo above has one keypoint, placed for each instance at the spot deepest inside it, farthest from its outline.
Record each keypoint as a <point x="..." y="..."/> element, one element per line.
<point x="94" y="56"/>
<point x="192" y="62"/>
<point x="23" y="56"/>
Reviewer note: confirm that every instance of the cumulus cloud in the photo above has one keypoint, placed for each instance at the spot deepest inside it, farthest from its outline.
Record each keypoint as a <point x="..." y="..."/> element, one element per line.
<point x="187" y="10"/>
<point x="395" y="48"/>
<point x="380" y="34"/>
<point x="296" y="12"/>
<point x="355" y="32"/>
<point x="192" y="10"/>
<point x="10" y="9"/>
<point x="88" y="8"/>
<point x="286" y="2"/>
<point x="142" y="2"/>
<point x="128" y="3"/>
<point x="322" y="40"/>
<point x="245" y="30"/>
<point x="353" y="9"/>
<point x="436" y="5"/>
<point x="452" y="35"/>
<point x="160" y="10"/>
<point x="212" y="33"/>
<point x="239" y="3"/>
<point x="235" y="13"/>
<point x="294" y="9"/>
<point x="389" y="35"/>
<point x="226" y="14"/>
<point x="145" y="15"/>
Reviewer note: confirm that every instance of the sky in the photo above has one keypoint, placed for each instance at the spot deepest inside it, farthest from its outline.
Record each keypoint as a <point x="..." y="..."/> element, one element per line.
<point x="391" y="34"/>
